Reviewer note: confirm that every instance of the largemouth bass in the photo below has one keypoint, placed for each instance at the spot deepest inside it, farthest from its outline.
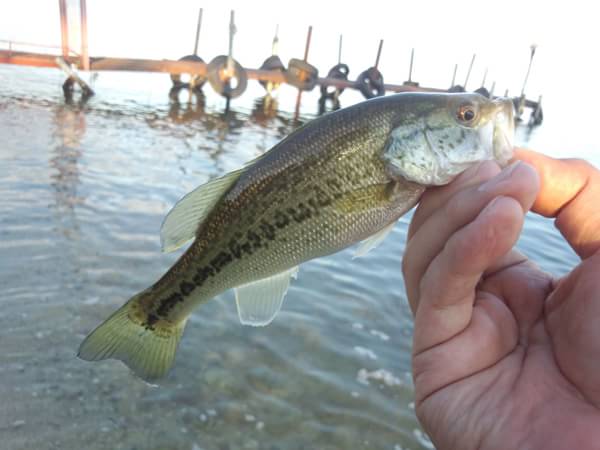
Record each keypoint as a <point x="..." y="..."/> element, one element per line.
<point x="343" y="178"/>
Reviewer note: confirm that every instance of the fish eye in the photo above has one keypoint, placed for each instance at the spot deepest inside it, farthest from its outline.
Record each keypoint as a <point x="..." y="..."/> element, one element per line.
<point x="466" y="114"/>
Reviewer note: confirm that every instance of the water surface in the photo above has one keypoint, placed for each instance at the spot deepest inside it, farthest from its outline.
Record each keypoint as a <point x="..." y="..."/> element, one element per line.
<point x="83" y="191"/>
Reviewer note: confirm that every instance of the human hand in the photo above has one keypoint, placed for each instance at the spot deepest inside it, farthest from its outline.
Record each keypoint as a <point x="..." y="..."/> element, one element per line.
<point x="504" y="355"/>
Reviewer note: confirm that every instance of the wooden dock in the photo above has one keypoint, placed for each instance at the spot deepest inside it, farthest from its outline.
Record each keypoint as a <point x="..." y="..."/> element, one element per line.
<point x="223" y="70"/>
<point x="172" y="66"/>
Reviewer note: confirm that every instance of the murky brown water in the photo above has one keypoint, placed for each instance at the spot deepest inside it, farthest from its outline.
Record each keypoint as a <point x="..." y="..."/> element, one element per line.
<point x="83" y="191"/>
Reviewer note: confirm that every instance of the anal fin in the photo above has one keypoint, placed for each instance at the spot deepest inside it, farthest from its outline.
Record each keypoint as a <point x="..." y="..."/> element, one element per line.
<point x="259" y="302"/>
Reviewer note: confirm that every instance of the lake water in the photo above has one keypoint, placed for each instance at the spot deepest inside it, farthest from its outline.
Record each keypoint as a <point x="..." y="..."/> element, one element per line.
<point x="83" y="191"/>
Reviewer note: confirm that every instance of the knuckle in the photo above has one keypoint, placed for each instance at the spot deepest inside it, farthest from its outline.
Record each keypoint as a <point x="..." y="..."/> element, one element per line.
<point x="470" y="246"/>
<point x="454" y="207"/>
<point x="582" y="165"/>
<point x="578" y="162"/>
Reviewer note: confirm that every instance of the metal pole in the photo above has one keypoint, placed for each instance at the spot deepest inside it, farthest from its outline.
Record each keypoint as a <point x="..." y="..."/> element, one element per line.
<point x="378" y="53"/>
<point x="469" y="72"/>
<point x="299" y="97"/>
<point x="198" y="32"/>
<point x="412" y="56"/>
<point x="85" y="58"/>
<point x="484" y="77"/>
<point x="492" y="89"/>
<point x="536" y="115"/>
<point x="275" y="41"/>
<point x="454" y="75"/>
<point x="64" y="33"/>
<point x="533" y="47"/>
<point x="340" y="51"/>
<point x="232" y="31"/>
<point x="307" y="47"/>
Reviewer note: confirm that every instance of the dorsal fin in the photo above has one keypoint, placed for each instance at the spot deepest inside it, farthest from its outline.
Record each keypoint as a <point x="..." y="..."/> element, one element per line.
<point x="183" y="220"/>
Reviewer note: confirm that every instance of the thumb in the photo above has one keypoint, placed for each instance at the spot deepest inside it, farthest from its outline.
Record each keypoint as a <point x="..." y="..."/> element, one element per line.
<point x="569" y="192"/>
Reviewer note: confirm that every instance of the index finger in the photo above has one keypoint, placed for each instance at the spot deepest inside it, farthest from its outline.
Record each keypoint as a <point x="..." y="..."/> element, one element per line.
<point x="569" y="192"/>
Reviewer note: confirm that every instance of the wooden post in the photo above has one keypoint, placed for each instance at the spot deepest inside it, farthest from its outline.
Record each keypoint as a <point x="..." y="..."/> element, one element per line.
<point x="85" y="58"/>
<point x="64" y="34"/>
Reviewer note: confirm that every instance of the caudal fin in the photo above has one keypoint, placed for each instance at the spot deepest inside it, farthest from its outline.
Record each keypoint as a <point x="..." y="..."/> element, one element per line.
<point x="149" y="353"/>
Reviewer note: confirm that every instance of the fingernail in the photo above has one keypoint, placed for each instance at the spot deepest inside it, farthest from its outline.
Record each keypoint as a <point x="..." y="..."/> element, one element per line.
<point x="502" y="176"/>
<point x="490" y="205"/>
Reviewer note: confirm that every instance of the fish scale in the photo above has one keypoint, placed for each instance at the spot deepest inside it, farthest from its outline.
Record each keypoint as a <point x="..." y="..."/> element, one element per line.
<point x="260" y="197"/>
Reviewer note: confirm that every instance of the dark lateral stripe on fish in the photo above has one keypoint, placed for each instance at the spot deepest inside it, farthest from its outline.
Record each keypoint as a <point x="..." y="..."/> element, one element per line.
<point x="236" y="250"/>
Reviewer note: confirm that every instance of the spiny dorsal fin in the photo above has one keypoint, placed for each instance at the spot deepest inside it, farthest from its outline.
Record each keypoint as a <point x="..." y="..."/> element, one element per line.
<point x="183" y="220"/>
<point x="259" y="302"/>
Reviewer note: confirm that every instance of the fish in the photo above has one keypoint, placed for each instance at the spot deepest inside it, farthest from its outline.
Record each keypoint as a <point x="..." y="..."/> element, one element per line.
<point x="341" y="179"/>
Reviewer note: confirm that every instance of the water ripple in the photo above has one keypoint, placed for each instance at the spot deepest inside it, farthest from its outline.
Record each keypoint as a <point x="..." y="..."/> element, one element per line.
<point x="83" y="191"/>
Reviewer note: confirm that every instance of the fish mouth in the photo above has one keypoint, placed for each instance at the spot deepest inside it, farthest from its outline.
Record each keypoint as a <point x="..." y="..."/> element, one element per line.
<point x="504" y="130"/>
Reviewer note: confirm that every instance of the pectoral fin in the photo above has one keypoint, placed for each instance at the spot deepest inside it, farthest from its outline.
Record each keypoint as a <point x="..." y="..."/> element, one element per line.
<point x="402" y="194"/>
<point x="259" y="302"/>
<point x="369" y="244"/>
<point x="183" y="220"/>
<point x="365" y="198"/>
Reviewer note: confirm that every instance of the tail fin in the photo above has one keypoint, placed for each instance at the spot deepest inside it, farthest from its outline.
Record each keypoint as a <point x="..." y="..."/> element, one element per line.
<point x="149" y="353"/>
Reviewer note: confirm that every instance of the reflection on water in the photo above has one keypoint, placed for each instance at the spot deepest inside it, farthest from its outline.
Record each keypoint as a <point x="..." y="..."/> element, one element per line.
<point x="265" y="110"/>
<point x="83" y="190"/>
<point x="69" y="129"/>
<point x="192" y="109"/>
